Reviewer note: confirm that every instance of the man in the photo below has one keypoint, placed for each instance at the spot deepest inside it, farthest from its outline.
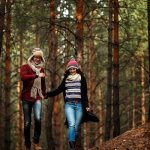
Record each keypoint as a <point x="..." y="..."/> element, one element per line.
<point x="33" y="91"/>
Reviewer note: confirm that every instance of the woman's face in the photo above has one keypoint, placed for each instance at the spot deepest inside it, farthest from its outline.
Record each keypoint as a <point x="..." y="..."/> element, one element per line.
<point x="37" y="59"/>
<point x="73" y="71"/>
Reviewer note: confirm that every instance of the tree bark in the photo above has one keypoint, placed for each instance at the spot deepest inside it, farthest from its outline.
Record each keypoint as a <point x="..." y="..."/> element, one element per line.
<point x="116" y="116"/>
<point x="79" y="31"/>
<point x="52" y="44"/>
<point x="133" y="99"/>
<point x="57" y="122"/>
<point x="101" y="114"/>
<point x="108" y="122"/>
<point x="19" y="144"/>
<point x="2" y="18"/>
<point x="148" y="14"/>
<point x="7" y="77"/>
<point x="79" y="46"/>
<point x="143" y="110"/>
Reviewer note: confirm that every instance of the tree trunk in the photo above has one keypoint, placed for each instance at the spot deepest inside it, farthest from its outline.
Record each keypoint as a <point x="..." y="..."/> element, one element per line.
<point x="19" y="144"/>
<point x="88" y="140"/>
<point x="57" y="122"/>
<point x="2" y="133"/>
<point x="2" y="18"/>
<point x="7" y="77"/>
<point x="52" y="69"/>
<point x="101" y="114"/>
<point x="133" y="100"/>
<point x="143" y="110"/>
<point x="148" y="14"/>
<point x="2" y="130"/>
<point x="37" y="36"/>
<point x="79" y="46"/>
<point x="79" y="31"/>
<point x="108" y="122"/>
<point x="116" y="116"/>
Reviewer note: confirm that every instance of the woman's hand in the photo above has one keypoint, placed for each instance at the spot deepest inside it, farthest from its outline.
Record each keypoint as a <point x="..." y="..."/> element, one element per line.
<point x="87" y="109"/>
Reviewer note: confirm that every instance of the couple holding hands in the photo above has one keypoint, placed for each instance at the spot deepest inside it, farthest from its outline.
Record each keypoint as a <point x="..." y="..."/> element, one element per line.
<point x="73" y="87"/>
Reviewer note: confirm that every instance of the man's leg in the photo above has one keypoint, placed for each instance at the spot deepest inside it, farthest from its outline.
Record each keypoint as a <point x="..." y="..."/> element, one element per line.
<point x="27" y="109"/>
<point x="37" y="108"/>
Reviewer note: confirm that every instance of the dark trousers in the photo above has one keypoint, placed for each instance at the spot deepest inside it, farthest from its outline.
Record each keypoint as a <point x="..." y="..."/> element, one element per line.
<point x="27" y="110"/>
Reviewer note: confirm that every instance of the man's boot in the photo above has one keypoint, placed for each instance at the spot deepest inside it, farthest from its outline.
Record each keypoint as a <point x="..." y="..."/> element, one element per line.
<point x="28" y="148"/>
<point x="36" y="146"/>
<point x="27" y="145"/>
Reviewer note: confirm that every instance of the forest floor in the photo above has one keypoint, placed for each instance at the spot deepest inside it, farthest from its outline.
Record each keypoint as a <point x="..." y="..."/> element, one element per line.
<point x="134" y="139"/>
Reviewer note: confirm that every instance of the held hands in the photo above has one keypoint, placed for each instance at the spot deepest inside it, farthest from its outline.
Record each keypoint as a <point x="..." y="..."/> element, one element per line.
<point x="46" y="95"/>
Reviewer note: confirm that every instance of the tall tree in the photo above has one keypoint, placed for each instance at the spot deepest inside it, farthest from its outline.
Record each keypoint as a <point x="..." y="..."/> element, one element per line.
<point x="2" y="16"/>
<point x="79" y="44"/>
<point x="7" y="77"/>
<point x="148" y="14"/>
<point x="79" y="31"/>
<point x="91" y="82"/>
<point x="143" y="110"/>
<point x="19" y="144"/>
<point x="57" y="122"/>
<point x="52" y="44"/>
<point x="116" y="116"/>
<point x="133" y="99"/>
<point x="109" y="77"/>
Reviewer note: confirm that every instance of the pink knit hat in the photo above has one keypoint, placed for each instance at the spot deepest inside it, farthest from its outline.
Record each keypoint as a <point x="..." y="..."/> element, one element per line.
<point x="72" y="64"/>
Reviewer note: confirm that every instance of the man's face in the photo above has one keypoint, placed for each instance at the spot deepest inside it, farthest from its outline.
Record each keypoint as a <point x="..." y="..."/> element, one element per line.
<point x="37" y="59"/>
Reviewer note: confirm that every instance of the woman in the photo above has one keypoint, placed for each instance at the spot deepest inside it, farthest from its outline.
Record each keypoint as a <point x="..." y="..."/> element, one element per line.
<point x="74" y="88"/>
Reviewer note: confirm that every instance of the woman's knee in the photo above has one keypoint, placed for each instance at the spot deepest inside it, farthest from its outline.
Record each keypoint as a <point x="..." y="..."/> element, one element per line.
<point x="71" y="125"/>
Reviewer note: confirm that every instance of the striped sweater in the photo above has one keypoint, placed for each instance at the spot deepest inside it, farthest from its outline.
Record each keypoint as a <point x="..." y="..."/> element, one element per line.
<point x="73" y="87"/>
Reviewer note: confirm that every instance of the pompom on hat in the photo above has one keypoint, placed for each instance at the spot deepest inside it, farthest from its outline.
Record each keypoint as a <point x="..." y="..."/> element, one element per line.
<point x="72" y="64"/>
<point x="37" y="52"/>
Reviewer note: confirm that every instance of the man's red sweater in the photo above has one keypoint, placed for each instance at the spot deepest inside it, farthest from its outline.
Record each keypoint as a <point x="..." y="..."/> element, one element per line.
<point x="27" y="76"/>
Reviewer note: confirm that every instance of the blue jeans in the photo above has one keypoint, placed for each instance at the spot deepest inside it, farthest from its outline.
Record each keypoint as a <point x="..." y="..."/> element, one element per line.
<point x="74" y="115"/>
<point x="27" y="110"/>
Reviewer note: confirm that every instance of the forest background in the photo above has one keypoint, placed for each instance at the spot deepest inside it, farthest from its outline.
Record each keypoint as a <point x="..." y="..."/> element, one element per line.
<point x="109" y="39"/>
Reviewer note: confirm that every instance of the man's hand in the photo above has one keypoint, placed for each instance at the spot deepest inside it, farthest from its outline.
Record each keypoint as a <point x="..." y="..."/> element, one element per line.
<point x="41" y="75"/>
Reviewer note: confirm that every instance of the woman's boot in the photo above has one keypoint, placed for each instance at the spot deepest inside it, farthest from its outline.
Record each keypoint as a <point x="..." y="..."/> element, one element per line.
<point x="72" y="145"/>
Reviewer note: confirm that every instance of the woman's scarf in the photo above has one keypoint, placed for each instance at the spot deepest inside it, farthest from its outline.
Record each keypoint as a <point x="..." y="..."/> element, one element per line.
<point x="75" y="77"/>
<point x="36" y="88"/>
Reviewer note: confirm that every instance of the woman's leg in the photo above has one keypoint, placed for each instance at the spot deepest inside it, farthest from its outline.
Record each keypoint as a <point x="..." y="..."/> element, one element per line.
<point x="27" y="109"/>
<point x="70" y="115"/>
<point x="79" y="115"/>
<point x="37" y="108"/>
